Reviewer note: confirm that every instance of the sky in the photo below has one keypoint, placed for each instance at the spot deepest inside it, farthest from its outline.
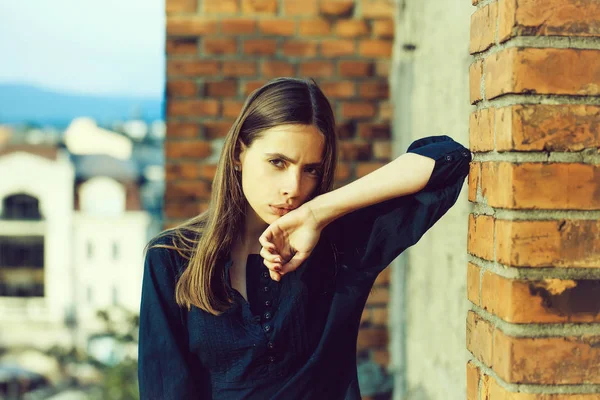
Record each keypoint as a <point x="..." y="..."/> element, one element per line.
<point x="105" y="47"/>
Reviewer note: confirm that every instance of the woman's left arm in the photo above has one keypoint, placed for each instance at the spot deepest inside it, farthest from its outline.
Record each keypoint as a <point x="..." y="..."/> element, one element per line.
<point x="411" y="192"/>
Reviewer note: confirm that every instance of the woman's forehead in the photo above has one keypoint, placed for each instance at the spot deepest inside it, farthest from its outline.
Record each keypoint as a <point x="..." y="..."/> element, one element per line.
<point x="292" y="140"/>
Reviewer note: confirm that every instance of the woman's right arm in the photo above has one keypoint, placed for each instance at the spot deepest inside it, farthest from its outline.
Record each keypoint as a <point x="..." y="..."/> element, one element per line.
<point x="167" y="370"/>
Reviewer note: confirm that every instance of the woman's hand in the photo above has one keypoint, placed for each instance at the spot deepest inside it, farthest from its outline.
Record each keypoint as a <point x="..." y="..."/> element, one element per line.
<point x="287" y="242"/>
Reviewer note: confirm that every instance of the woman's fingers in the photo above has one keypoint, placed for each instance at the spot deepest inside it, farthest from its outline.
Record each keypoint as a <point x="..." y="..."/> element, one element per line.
<point x="270" y="256"/>
<point x="275" y="276"/>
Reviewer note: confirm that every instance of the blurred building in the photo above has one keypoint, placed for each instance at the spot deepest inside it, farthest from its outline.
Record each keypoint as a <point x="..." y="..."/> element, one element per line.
<point x="71" y="244"/>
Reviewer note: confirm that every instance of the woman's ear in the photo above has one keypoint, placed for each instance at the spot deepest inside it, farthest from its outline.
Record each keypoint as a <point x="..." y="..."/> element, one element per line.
<point x="240" y="154"/>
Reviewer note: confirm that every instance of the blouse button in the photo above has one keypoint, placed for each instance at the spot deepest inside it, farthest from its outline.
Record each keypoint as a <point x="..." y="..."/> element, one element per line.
<point x="267" y="328"/>
<point x="271" y="359"/>
<point x="266" y="289"/>
<point x="271" y="345"/>
<point x="268" y="303"/>
<point x="265" y="274"/>
<point x="267" y="315"/>
<point x="448" y="158"/>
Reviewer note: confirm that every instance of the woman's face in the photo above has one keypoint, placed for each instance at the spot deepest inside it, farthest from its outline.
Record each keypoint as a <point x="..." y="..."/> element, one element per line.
<point x="281" y="169"/>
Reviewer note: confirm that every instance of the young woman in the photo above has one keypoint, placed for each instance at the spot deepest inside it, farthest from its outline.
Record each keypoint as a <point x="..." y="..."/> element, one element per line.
<point x="260" y="297"/>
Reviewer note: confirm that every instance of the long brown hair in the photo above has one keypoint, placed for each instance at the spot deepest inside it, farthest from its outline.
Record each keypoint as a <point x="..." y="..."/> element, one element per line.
<point x="206" y="239"/>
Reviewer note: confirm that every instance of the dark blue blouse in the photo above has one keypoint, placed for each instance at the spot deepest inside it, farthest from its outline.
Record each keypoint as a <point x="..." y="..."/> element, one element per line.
<point x="293" y="339"/>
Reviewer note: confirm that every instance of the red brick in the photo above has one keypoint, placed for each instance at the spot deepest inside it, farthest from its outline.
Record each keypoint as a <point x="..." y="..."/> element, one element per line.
<point x="238" y="26"/>
<point x="541" y="127"/>
<point x="474" y="175"/>
<point x="481" y="129"/>
<point x="381" y="357"/>
<point x="378" y="8"/>
<point x="357" y="110"/>
<point x="190" y="26"/>
<point x="483" y="27"/>
<point x="221" y="6"/>
<point x="375" y="48"/>
<point x="541" y="301"/>
<point x="384" y="28"/>
<point x="354" y="151"/>
<point x="214" y="46"/>
<point x="300" y="48"/>
<point x="565" y="243"/>
<point x="473" y="283"/>
<point x="300" y="8"/>
<point x="180" y="6"/>
<point x="480" y="239"/>
<point x="379" y="296"/>
<point x="192" y="108"/>
<point x="260" y="47"/>
<point x="473" y="381"/>
<point x="351" y="28"/>
<point x="259" y="6"/>
<point x="182" y="46"/>
<point x="316" y="69"/>
<point x="232" y="108"/>
<point x="342" y="89"/>
<point x="545" y="71"/>
<point x="567" y="18"/>
<point x="278" y="27"/>
<point x="342" y="171"/>
<point x="251" y="86"/>
<point x="224" y="88"/>
<point x="192" y="67"/>
<point x="314" y="27"/>
<point x="363" y="169"/>
<point x="273" y="69"/>
<point x="216" y="129"/>
<point x="369" y="338"/>
<point x="345" y="130"/>
<point x="239" y="68"/>
<point x="187" y="191"/>
<point x="182" y="129"/>
<point x="547" y="360"/>
<point x="356" y="68"/>
<point x="370" y="130"/>
<point x="187" y="149"/>
<point x="181" y="88"/>
<point x="337" y="8"/>
<point x="385" y="110"/>
<point x="534" y="185"/>
<point x="475" y="76"/>
<point x="382" y="68"/>
<point x="479" y="338"/>
<point x="336" y="48"/>
<point x="182" y="170"/>
<point x="185" y="208"/>
<point x="374" y="90"/>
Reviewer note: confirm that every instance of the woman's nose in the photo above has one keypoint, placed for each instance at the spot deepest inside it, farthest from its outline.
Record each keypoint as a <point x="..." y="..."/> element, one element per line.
<point x="292" y="183"/>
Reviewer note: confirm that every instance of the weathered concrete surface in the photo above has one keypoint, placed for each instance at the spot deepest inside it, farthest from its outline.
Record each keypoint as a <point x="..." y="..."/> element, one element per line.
<point x="430" y="88"/>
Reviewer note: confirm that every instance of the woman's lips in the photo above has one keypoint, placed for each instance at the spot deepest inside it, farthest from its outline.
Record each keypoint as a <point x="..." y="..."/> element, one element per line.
<point x="279" y="211"/>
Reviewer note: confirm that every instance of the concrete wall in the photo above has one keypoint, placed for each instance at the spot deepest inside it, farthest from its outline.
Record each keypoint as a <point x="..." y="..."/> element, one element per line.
<point x="430" y="91"/>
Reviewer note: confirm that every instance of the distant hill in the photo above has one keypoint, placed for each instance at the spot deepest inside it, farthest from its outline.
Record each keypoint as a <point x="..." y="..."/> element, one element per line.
<point x="30" y="104"/>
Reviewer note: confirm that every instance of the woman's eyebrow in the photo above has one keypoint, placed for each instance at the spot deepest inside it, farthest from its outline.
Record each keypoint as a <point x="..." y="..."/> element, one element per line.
<point x="288" y="159"/>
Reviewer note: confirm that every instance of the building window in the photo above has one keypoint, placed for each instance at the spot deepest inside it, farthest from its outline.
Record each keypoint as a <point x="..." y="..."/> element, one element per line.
<point x="115" y="251"/>
<point x="22" y="266"/>
<point x="21" y="207"/>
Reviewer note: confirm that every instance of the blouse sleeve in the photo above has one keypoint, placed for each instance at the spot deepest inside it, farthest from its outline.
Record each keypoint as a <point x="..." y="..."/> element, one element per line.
<point x="166" y="369"/>
<point x="369" y="239"/>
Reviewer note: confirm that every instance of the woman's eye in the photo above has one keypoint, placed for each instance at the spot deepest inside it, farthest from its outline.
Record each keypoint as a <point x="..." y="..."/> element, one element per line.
<point x="314" y="171"/>
<point x="277" y="163"/>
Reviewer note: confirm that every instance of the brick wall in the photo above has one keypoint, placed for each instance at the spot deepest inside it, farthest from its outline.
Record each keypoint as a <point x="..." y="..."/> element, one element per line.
<point x="534" y="237"/>
<point x="218" y="51"/>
